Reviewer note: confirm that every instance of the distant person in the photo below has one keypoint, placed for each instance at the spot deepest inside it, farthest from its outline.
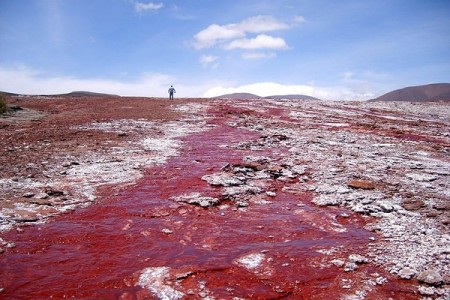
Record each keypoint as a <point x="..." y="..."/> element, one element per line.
<point x="171" y="91"/>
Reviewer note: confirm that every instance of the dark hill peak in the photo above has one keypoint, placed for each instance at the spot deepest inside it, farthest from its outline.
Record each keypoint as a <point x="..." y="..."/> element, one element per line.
<point x="420" y="93"/>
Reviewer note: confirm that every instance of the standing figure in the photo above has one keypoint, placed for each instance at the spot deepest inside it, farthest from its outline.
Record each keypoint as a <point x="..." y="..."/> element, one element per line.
<point x="171" y="91"/>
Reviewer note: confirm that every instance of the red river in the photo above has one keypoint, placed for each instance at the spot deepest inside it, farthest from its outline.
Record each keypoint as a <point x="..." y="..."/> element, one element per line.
<point x="100" y="251"/>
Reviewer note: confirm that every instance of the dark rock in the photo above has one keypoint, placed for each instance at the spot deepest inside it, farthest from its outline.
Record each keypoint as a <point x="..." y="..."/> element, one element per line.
<point x="446" y="221"/>
<point x="41" y="202"/>
<point x="53" y="193"/>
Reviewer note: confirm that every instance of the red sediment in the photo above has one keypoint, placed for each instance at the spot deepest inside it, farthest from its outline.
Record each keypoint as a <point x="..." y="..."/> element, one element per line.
<point x="98" y="252"/>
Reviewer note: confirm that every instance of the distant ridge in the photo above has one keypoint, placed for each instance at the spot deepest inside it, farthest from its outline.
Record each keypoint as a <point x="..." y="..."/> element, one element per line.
<point x="247" y="96"/>
<point x="239" y="96"/>
<point x="71" y="94"/>
<point x="420" y="93"/>
<point x="292" y="97"/>
<point x="87" y="94"/>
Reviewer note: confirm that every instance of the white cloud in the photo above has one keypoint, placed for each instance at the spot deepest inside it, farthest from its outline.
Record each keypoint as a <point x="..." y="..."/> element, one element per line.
<point x="214" y="33"/>
<point x="23" y="80"/>
<point x="139" y="6"/>
<point x="258" y="55"/>
<point x="206" y="60"/>
<point x="299" y="19"/>
<point x="262" y="24"/>
<point x="262" y="41"/>
<point x="272" y="88"/>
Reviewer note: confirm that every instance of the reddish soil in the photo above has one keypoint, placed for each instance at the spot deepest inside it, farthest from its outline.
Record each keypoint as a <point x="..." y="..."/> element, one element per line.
<point x="100" y="252"/>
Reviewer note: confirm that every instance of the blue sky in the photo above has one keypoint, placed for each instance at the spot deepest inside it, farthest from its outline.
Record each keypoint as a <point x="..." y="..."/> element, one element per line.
<point x="348" y="49"/>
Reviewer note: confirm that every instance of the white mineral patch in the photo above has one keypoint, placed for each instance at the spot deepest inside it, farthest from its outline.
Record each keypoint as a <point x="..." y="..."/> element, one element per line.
<point x="251" y="261"/>
<point x="147" y="143"/>
<point x="154" y="279"/>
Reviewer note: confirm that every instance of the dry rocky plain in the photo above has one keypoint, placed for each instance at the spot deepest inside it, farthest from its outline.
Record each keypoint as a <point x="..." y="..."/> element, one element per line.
<point x="387" y="163"/>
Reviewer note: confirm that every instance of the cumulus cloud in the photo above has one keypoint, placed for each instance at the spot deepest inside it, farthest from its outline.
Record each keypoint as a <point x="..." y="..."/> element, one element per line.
<point x="262" y="41"/>
<point x="140" y="7"/>
<point x="272" y="88"/>
<point x="215" y="34"/>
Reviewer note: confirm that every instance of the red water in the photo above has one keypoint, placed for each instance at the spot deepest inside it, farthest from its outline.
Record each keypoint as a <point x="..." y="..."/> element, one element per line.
<point x="98" y="252"/>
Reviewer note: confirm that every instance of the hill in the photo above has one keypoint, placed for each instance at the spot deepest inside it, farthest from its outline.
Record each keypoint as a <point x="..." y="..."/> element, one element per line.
<point x="71" y="94"/>
<point x="421" y="93"/>
<point x="275" y="97"/>
<point x="292" y="97"/>
<point x="239" y="96"/>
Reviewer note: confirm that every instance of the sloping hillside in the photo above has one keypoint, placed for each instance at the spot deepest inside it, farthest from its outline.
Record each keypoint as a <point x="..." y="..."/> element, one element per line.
<point x="421" y="93"/>
<point x="277" y="97"/>
<point x="239" y="96"/>
<point x="292" y="97"/>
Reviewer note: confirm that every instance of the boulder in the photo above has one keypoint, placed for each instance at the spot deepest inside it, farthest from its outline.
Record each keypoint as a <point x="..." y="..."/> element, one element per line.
<point x="430" y="277"/>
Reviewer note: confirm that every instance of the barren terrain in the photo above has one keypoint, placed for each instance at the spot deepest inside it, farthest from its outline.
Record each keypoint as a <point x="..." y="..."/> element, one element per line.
<point x="139" y="198"/>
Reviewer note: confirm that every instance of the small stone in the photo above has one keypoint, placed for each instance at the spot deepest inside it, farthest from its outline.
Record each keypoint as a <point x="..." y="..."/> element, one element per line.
<point x="28" y="195"/>
<point x="338" y="262"/>
<point x="422" y="177"/>
<point x="446" y="278"/>
<point x="347" y="286"/>
<point x="430" y="277"/>
<point x="446" y="221"/>
<point x="426" y="291"/>
<point x="166" y="231"/>
<point x="327" y="200"/>
<point x="385" y="206"/>
<point x="361" y="184"/>
<point x="442" y="206"/>
<point x="380" y="280"/>
<point x="41" y="196"/>
<point x="412" y="204"/>
<point x="197" y="199"/>
<point x="356" y="258"/>
<point x="242" y="204"/>
<point x="10" y="245"/>
<point x="350" y="267"/>
<point x="271" y="194"/>
<point x="222" y="179"/>
<point x="407" y="273"/>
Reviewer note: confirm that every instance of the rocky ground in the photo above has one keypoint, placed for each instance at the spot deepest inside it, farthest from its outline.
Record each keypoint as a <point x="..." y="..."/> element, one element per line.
<point x="388" y="162"/>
